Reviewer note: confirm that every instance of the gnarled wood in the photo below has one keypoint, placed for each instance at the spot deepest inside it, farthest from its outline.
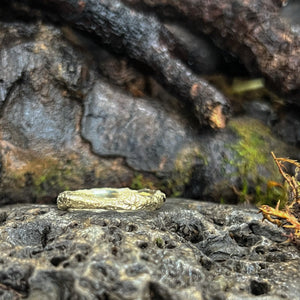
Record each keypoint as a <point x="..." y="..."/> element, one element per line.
<point x="252" y="30"/>
<point x="146" y="40"/>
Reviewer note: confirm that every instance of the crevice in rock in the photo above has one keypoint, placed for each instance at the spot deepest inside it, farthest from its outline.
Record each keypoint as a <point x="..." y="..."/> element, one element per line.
<point x="259" y="287"/>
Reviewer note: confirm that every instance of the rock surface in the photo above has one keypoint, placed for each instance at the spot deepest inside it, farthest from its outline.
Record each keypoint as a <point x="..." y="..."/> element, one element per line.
<point x="139" y="129"/>
<point x="74" y="116"/>
<point x="185" y="250"/>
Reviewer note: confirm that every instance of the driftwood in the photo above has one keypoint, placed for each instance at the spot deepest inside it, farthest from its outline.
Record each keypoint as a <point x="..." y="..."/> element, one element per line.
<point x="143" y="39"/>
<point x="252" y="30"/>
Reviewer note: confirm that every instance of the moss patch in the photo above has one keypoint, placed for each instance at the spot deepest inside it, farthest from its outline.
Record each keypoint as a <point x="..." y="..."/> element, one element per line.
<point x="252" y="148"/>
<point x="253" y="160"/>
<point x="44" y="177"/>
<point x="141" y="181"/>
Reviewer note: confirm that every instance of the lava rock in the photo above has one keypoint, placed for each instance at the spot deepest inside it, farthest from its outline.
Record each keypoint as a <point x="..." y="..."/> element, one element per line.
<point x="185" y="249"/>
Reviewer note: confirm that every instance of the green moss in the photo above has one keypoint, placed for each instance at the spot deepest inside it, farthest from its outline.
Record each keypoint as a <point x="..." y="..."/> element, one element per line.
<point x="141" y="182"/>
<point x="252" y="148"/>
<point x="54" y="178"/>
<point x="159" y="242"/>
<point x="45" y="177"/>
<point x="272" y="196"/>
<point x="222" y="200"/>
<point x="252" y="154"/>
<point x="137" y="182"/>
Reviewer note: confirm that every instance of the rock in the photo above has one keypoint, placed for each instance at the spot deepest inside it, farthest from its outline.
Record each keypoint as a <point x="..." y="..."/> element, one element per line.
<point x="239" y="156"/>
<point x="186" y="249"/>
<point x="40" y="143"/>
<point x="262" y="111"/>
<point x="149" y="136"/>
<point x="288" y="127"/>
<point x="65" y="126"/>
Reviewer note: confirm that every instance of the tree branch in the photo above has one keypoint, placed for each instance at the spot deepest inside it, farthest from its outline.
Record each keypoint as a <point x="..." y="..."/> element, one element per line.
<point x="146" y="40"/>
<point x="252" y="30"/>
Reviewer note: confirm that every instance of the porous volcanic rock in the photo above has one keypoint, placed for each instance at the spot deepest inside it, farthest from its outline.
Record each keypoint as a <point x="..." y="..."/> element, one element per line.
<point x="185" y="250"/>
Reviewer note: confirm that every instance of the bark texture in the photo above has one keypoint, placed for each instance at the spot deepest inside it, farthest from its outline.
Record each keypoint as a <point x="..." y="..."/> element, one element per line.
<point x="146" y="40"/>
<point x="252" y="30"/>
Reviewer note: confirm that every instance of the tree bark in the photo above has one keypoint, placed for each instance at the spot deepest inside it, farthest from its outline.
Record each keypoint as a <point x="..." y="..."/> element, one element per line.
<point x="146" y="40"/>
<point x="252" y="30"/>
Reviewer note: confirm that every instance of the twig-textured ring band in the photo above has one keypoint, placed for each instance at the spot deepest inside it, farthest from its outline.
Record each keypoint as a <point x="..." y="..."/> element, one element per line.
<point x="112" y="199"/>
